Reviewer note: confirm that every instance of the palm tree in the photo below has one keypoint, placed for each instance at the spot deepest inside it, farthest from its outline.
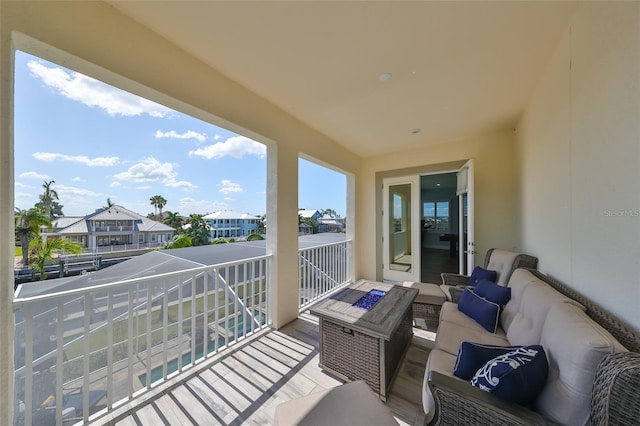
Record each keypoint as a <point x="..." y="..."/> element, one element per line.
<point x="158" y="202"/>
<point x="110" y="203"/>
<point x="48" y="197"/>
<point x="174" y="220"/>
<point x="28" y="224"/>
<point x="43" y="251"/>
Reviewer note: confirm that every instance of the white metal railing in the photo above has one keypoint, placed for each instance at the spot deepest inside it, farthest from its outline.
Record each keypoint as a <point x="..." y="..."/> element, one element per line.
<point x="84" y="352"/>
<point x="322" y="269"/>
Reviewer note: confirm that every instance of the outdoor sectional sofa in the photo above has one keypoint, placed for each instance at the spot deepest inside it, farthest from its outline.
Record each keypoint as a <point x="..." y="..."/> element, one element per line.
<point x="593" y="360"/>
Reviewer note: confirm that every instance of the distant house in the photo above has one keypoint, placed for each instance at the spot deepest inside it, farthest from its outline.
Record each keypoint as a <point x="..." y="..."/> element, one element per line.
<point x="305" y="229"/>
<point x="111" y="226"/>
<point x="330" y="223"/>
<point x="231" y="224"/>
<point x="314" y="215"/>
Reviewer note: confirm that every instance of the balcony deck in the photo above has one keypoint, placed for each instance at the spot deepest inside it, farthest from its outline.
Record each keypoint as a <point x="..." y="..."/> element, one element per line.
<point x="245" y="384"/>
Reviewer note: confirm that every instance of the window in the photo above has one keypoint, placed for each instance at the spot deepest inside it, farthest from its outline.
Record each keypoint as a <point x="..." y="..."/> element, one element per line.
<point x="436" y="214"/>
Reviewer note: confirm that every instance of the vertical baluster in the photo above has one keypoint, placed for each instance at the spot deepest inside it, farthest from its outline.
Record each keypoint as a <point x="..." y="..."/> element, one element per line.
<point x="87" y="357"/>
<point x="216" y="307"/>
<point x="245" y="290"/>
<point x="28" y="363"/>
<point x="226" y="305"/>
<point x="165" y="328"/>
<point x="149" y="349"/>
<point x="205" y="314"/>
<point x="236" y="281"/>
<point x="59" y="358"/>
<point x="267" y="290"/>
<point x="110" y="325"/>
<point x="253" y="296"/>
<point x="193" y="334"/>
<point x="130" y="342"/>
<point x="180" y="320"/>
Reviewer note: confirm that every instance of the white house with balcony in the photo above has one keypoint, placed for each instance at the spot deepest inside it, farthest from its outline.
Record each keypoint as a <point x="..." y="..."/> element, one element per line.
<point x="231" y="224"/>
<point x="111" y="226"/>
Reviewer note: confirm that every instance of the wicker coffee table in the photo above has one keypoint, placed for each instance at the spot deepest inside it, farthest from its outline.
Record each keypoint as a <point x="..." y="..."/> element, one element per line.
<point x="361" y="344"/>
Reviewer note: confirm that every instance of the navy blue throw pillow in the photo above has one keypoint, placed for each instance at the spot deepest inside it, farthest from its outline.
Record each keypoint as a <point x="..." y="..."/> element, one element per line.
<point x="493" y="292"/>
<point x="479" y="273"/>
<point x="517" y="376"/>
<point x="472" y="356"/>
<point x="483" y="311"/>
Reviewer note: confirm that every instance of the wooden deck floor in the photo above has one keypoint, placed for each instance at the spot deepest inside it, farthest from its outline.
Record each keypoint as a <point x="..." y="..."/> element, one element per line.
<point x="245" y="385"/>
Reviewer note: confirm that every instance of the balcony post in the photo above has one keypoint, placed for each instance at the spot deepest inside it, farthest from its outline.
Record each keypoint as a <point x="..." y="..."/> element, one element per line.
<point x="6" y="225"/>
<point x="282" y="233"/>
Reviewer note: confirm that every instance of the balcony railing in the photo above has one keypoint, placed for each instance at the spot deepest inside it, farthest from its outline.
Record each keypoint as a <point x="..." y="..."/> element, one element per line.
<point x="82" y="353"/>
<point x="112" y="228"/>
<point x="323" y="269"/>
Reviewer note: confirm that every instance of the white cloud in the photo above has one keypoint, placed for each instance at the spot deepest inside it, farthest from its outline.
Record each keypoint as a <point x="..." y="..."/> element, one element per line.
<point x="187" y="186"/>
<point x="22" y="185"/>
<point x="72" y="191"/>
<point x="33" y="175"/>
<point x="217" y="137"/>
<point x="148" y="170"/>
<point x="22" y="195"/>
<point x="229" y="187"/>
<point x="236" y="146"/>
<point x="189" y="134"/>
<point x="82" y="159"/>
<point x="94" y="93"/>
<point x="144" y="187"/>
<point x="152" y="170"/>
<point x="188" y="205"/>
<point x="115" y="185"/>
<point x="78" y="179"/>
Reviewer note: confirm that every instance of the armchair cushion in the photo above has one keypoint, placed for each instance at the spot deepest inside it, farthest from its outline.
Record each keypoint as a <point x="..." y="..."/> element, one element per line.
<point x="484" y="312"/>
<point x="479" y="273"/>
<point x="517" y="376"/>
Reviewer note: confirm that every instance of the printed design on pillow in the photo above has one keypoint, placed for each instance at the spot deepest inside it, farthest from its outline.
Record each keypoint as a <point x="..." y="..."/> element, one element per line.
<point x="485" y="379"/>
<point x="472" y="356"/>
<point x="517" y="376"/>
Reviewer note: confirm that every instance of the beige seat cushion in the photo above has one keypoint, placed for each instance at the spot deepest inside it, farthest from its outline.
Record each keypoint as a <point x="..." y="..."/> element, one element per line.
<point x="451" y="335"/>
<point x="349" y="404"/>
<point x="427" y="293"/>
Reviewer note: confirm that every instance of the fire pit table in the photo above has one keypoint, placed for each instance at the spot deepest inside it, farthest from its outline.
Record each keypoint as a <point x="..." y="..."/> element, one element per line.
<point x="364" y="332"/>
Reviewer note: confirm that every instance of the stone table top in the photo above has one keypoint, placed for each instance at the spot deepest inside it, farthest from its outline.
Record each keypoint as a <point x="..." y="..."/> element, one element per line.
<point x="381" y="321"/>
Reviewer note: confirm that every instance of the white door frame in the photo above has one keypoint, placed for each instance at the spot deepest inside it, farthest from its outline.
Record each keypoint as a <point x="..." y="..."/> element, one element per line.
<point x="466" y="187"/>
<point x="413" y="273"/>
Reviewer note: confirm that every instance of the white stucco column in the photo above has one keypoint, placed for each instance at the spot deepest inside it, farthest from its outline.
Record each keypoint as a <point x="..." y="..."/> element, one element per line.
<point x="6" y="225"/>
<point x="282" y="232"/>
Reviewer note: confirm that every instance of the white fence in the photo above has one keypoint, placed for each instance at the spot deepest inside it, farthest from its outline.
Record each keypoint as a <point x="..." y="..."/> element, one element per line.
<point x="323" y="269"/>
<point x="81" y="353"/>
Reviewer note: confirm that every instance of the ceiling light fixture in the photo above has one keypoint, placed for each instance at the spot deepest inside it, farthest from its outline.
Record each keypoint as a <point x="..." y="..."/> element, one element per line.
<point x="414" y="131"/>
<point x="385" y="76"/>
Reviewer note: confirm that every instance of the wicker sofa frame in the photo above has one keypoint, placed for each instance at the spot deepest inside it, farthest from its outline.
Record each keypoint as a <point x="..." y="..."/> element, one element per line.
<point x="616" y="391"/>
<point x="459" y="282"/>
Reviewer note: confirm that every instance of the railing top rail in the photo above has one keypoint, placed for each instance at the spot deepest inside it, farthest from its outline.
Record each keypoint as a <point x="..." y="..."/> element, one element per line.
<point x="324" y="245"/>
<point x="20" y="301"/>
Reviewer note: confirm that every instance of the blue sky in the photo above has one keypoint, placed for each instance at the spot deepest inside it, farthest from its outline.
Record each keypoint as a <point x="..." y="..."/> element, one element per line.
<point x="97" y="142"/>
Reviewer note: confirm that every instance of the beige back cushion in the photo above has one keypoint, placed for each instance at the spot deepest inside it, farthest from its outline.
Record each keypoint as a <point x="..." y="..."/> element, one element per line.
<point x="574" y="345"/>
<point x="501" y="261"/>
<point x="536" y="301"/>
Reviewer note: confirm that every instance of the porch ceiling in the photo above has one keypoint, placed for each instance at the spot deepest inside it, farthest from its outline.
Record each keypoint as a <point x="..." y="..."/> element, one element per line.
<point x="458" y="68"/>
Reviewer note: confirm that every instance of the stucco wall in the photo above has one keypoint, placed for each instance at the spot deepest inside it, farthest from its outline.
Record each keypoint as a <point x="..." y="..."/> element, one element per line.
<point x="579" y="159"/>
<point x="494" y="192"/>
